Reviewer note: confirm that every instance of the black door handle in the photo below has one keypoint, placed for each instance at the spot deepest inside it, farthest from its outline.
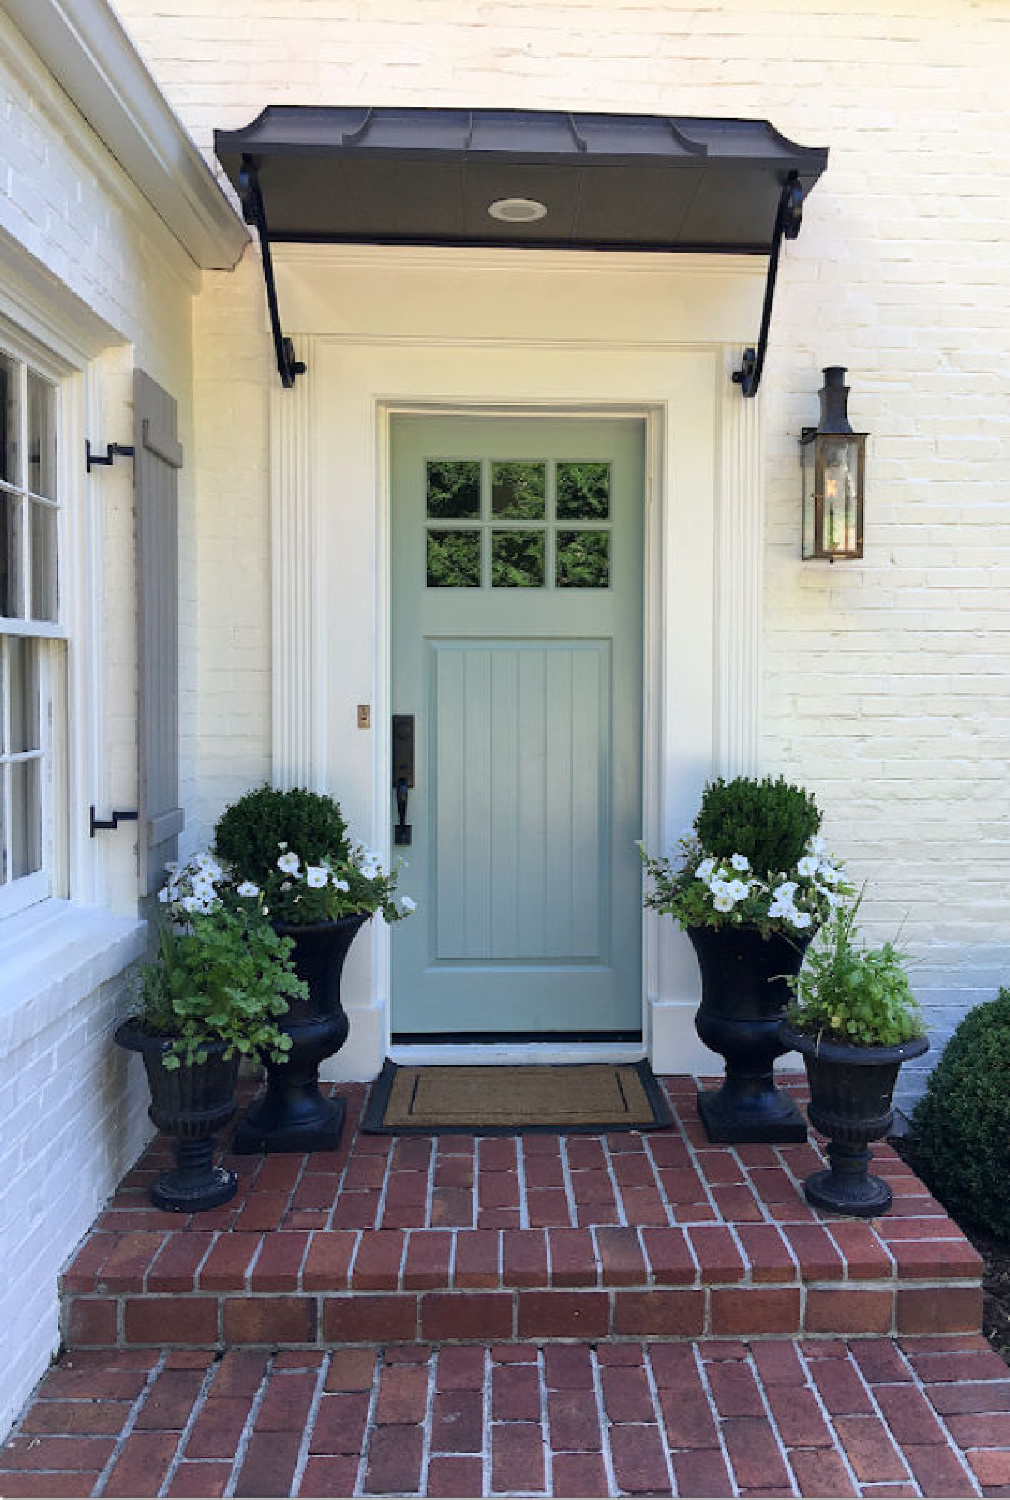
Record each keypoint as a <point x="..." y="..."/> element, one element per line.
<point x="403" y="772"/>
<point x="402" y="831"/>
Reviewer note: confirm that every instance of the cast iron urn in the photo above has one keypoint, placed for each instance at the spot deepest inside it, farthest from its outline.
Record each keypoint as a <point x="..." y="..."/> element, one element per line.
<point x="743" y="999"/>
<point x="192" y="1103"/>
<point x="850" y="1102"/>
<point x="293" y="1114"/>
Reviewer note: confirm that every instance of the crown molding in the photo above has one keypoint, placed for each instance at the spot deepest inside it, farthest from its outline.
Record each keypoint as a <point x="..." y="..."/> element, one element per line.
<point x="84" y="47"/>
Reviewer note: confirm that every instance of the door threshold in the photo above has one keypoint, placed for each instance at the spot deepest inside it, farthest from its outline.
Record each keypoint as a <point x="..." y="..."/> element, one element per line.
<point x="486" y="1054"/>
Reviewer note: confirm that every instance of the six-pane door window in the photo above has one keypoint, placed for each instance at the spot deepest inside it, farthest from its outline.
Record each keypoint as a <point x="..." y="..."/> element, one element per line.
<point x="31" y="649"/>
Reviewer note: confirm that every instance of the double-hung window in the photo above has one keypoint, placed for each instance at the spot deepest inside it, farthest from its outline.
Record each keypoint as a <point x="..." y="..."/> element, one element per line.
<point x="32" y="635"/>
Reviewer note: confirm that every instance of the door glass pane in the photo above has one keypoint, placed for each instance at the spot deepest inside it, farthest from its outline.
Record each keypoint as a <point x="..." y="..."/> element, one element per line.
<point x="453" y="559"/>
<point x="583" y="492"/>
<point x="583" y="560"/>
<point x="453" y="488"/>
<point x="43" y="562"/>
<point x="517" y="559"/>
<point x="23" y="680"/>
<point x="8" y="419"/>
<point x="518" y="490"/>
<point x="26" y="818"/>
<point x="41" y="437"/>
<point x="10" y="554"/>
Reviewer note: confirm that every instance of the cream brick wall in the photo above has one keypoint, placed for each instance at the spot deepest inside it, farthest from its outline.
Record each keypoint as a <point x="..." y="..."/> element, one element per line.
<point x="88" y="270"/>
<point x="884" y="682"/>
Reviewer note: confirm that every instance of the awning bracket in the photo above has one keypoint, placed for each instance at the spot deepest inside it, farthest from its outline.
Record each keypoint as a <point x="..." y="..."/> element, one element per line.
<point x="788" y="218"/>
<point x="253" y="213"/>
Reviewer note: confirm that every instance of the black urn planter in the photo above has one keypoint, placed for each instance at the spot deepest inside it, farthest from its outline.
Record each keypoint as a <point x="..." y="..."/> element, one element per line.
<point x="850" y="1102"/>
<point x="192" y="1103"/>
<point x="293" y="1115"/>
<point x="743" y="999"/>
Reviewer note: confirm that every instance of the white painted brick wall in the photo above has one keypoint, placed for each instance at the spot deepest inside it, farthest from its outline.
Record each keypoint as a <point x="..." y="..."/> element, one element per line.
<point x="884" y="681"/>
<point x="72" y="1115"/>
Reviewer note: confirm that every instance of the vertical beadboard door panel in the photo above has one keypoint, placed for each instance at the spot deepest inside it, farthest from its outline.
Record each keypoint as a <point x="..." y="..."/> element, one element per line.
<point x="157" y="460"/>
<point x="527" y="703"/>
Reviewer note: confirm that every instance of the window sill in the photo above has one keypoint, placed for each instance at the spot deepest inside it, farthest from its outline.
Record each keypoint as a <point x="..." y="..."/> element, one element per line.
<point x="52" y="957"/>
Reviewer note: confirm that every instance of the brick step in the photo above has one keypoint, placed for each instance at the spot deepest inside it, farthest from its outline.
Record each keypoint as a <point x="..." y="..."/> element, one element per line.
<point x="471" y="1239"/>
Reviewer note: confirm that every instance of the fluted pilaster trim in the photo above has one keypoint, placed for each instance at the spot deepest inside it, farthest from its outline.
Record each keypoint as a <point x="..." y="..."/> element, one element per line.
<point x="293" y="557"/>
<point x="738" y="580"/>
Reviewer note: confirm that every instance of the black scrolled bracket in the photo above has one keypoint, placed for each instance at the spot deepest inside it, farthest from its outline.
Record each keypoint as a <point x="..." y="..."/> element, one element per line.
<point x="117" y="817"/>
<point x="254" y="213"/>
<point x="788" y="220"/>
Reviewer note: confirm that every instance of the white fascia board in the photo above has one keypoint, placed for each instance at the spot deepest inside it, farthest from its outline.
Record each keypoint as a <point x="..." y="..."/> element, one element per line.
<point x="84" y="47"/>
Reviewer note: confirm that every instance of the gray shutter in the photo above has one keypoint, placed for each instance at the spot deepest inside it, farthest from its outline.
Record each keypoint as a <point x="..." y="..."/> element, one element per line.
<point x="157" y="461"/>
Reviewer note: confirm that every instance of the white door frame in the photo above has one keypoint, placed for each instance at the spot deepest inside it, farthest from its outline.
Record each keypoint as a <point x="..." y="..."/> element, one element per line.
<point x="331" y="533"/>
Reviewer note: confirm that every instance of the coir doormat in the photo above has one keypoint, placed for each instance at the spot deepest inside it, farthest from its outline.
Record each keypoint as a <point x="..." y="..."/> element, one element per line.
<point x="583" y="1098"/>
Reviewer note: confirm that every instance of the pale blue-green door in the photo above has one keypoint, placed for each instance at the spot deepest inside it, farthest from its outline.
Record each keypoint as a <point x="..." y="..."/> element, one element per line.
<point x="517" y="647"/>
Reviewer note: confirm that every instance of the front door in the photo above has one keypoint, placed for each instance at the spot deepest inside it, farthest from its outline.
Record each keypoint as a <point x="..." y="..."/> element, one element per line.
<point x="517" y="650"/>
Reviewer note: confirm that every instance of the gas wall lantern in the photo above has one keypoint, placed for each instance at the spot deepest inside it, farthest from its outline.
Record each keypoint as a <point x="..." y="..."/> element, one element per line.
<point x="834" y="462"/>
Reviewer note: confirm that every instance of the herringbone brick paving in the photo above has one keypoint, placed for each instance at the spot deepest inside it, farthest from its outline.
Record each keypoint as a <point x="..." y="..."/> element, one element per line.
<point x="821" y="1417"/>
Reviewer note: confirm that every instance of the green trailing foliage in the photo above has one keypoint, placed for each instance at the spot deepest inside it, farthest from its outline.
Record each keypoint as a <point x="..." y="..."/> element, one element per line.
<point x="250" y="831"/>
<point x="226" y="978"/>
<point x="960" y="1142"/>
<point x="771" y="822"/>
<point x="850" y="993"/>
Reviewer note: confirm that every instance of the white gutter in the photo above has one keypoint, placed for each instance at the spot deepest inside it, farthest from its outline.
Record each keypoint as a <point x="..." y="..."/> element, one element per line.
<point x="83" y="45"/>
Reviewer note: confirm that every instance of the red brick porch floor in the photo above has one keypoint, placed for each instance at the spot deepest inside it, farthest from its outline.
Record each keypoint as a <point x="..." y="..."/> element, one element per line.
<point x="542" y="1314"/>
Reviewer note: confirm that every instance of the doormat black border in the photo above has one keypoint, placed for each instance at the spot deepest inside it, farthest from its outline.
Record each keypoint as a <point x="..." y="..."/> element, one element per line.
<point x="496" y="1038"/>
<point x="375" y="1109"/>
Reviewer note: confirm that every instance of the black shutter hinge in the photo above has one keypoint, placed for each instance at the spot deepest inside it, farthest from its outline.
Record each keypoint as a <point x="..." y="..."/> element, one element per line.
<point x="117" y="817"/>
<point x="112" y="452"/>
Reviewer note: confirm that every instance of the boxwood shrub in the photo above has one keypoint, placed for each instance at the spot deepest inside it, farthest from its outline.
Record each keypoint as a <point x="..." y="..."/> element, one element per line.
<point x="960" y="1143"/>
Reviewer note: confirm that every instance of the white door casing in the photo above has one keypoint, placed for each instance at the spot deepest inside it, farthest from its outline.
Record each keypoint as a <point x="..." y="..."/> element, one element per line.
<point x="330" y="531"/>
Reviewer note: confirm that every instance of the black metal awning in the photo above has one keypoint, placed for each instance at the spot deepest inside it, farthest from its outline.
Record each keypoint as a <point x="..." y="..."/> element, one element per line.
<point x="593" y="181"/>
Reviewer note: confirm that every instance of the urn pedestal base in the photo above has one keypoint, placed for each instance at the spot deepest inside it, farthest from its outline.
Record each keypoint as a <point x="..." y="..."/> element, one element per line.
<point x="290" y="1121"/>
<point x="748" y="1110"/>
<point x="196" y="1183"/>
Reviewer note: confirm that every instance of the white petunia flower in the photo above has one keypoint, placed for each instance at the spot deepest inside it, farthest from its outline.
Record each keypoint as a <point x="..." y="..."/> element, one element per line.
<point x="406" y="905"/>
<point x="800" y="918"/>
<point x="705" y="870"/>
<point x="341" y="885"/>
<point x="316" y="876"/>
<point x="740" y="862"/>
<point x="723" y="903"/>
<point x="247" y="888"/>
<point x="164" y="895"/>
<point x="808" y="866"/>
<point x="288" y="863"/>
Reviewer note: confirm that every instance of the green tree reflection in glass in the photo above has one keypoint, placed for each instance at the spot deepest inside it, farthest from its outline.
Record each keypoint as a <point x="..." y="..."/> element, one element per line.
<point x="583" y="492"/>
<point x="517" y="559"/>
<point x="453" y="488"/>
<point x="453" y="559"/>
<point x="518" y="490"/>
<point x="583" y="560"/>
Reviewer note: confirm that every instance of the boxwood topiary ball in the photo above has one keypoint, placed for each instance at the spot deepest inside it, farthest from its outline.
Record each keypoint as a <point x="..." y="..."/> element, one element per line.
<point x="249" y="832"/>
<point x="770" y="821"/>
<point x="961" y="1125"/>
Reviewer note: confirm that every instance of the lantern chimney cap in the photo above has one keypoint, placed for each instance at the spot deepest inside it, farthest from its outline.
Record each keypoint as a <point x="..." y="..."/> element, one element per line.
<point x="834" y="397"/>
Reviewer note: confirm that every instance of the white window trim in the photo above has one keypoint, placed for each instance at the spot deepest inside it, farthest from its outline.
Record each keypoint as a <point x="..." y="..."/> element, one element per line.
<point x="70" y="868"/>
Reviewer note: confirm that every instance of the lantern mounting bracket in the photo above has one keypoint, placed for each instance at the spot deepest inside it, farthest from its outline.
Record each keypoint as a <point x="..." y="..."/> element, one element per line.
<point x="788" y="219"/>
<point x="254" y="213"/>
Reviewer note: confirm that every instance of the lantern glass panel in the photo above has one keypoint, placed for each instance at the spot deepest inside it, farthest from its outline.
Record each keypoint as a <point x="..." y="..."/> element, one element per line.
<point x="839" y="488"/>
<point x="808" y="509"/>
